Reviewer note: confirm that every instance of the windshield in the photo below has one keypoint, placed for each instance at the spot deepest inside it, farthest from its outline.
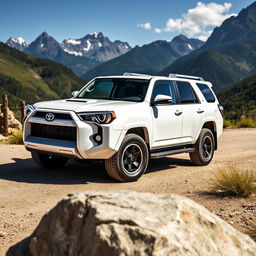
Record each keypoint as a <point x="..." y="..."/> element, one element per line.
<point x="116" y="89"/>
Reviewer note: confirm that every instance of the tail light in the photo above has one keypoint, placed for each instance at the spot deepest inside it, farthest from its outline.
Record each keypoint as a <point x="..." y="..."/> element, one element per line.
<point x="221" y="109"/>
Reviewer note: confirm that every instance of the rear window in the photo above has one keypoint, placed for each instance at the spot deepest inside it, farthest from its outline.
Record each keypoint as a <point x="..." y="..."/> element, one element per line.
<point x="187" y="95"/>
<point x="207" y="92"/>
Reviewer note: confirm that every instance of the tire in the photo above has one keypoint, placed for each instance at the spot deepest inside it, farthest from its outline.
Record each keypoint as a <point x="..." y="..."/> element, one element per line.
<point x="130" y="161"/>
<point x="204" y="148"/>
<point x="48" y="161"/>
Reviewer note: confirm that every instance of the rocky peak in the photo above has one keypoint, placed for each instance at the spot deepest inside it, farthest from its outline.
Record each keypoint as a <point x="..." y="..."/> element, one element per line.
<point x="236" y="28"/>
<point x="95" y="46"/>
<point x="44" y="46"/>
<point x="183" y="45"/>
<point x="17" y="43"/>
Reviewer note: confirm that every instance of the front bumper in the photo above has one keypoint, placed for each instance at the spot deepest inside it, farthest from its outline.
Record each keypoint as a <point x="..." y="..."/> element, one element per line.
<point x="84" y="147"/>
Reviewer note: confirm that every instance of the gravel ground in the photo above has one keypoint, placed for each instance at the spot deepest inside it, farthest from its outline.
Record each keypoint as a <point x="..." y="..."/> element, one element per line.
<point x="27" y="191"/>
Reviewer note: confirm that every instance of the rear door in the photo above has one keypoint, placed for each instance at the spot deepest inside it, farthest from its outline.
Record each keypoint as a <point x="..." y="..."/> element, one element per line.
<point x="193" y="112"/>
<point x="167" y="118"/>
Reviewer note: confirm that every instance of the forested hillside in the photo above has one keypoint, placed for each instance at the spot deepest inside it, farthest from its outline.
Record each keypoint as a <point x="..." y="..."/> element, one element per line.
<point x="240" y="99"/>
<point x="23" y="76"/>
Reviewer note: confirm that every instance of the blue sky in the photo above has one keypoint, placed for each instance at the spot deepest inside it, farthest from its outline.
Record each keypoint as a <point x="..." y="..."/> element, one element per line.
<point x="137" y="22"/>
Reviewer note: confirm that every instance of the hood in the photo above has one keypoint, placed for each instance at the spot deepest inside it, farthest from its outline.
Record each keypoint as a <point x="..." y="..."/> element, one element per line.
<point x="84" y="105"/>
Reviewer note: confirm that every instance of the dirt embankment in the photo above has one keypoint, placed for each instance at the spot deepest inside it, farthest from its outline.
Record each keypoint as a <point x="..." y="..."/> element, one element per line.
<point x="27" y="191"/>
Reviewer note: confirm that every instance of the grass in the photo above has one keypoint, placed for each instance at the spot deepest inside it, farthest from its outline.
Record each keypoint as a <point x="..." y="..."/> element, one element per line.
<point x="246" y="122"/>
<point x="233" y="181"/>
<point x="227" y="123"/>
<point x="16" y="137"/>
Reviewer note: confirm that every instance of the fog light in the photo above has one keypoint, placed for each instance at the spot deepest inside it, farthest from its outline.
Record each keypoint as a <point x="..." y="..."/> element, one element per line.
<point x="98" y="138"/>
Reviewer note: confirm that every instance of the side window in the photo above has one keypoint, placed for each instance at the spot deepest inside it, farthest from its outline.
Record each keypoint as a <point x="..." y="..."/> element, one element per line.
<point x="206" y="91"/>
<point x="164" y="88"/>
<point x="187" y="94"/>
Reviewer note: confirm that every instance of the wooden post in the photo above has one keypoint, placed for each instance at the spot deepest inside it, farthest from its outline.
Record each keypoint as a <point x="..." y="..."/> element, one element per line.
<point x="22" y="110"/>
<point x="5" y="114"/>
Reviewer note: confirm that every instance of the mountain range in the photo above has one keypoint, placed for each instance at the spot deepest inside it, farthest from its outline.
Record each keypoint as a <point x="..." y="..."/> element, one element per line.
<point x="150" y="58"/>
<point x="227" y="56"/>
<point x="83" y="54"/>
<point x="78" y="54"/>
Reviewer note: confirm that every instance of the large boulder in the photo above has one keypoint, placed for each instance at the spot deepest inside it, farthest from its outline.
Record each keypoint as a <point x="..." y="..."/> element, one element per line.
<point x="131" y="223"/>
<point x="13" y="123"/>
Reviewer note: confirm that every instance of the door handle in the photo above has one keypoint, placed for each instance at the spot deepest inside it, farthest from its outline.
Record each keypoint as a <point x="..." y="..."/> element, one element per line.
<point x="178" y="112"/>
<point x="200" y="111"/>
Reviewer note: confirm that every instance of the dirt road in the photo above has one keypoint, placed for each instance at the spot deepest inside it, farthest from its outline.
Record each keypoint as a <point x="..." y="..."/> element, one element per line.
<point x="27" y="191"/>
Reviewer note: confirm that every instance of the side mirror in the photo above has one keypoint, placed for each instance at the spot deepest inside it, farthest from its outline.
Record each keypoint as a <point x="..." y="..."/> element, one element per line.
<point x="162" y="99"/>
<point x="74" y="93"/>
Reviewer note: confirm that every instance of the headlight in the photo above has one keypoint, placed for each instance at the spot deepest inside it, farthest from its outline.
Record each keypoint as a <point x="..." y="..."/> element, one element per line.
<point x="98" y="117"/>
<point x="29" y="108"/>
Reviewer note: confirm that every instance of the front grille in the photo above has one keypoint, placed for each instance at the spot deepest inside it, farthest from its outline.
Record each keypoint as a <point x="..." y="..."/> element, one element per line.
<point x="53" y="132"/>
<point x="56" y="115"/>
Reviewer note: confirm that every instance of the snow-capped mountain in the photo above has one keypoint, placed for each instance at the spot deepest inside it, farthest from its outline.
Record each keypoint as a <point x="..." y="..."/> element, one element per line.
<point x="95" y="46"/>
<point x="45" y="46"/>
<point x="83" y="54"/>
<point x="183" y="45"/>
<point x="17" y="43"/>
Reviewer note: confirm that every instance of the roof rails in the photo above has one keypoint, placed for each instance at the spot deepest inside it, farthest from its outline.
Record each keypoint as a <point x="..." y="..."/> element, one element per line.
<point x="170" y="75"/>
<point x="134" y="74"/>
<point x="185" y="76"/>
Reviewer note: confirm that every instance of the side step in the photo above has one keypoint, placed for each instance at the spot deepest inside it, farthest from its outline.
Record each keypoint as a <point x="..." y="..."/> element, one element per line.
<point x="171" y="152"/>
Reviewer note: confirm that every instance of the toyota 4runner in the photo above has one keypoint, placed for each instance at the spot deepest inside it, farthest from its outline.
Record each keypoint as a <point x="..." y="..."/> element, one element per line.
<point x="126" y="120"/>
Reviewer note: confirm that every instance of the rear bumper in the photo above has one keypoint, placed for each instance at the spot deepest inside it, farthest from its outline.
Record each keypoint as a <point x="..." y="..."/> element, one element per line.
<point x="84" y="147"/>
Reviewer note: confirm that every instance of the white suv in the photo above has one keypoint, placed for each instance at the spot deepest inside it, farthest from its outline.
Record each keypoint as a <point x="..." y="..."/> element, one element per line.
<point x="125" y="120"/>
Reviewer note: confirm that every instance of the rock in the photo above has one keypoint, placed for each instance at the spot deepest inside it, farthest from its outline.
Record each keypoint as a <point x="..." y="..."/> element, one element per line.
<point x="2" y="234"/>
<point x="234" y="213"/>
<point x="131" y="223"/>
<point x="13" y="123"/>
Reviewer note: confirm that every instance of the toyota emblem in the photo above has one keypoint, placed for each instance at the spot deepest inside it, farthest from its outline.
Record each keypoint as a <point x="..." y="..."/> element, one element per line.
<point x="49" y="117"/>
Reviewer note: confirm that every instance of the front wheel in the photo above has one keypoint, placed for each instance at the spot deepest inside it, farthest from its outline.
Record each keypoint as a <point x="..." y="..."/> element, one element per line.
<point x="48" y="161"/>
<point x="131" y="160"/>
<point x="204" y="148"/>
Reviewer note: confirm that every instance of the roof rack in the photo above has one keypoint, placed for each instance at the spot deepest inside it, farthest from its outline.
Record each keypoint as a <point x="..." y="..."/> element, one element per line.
<point x="185" y="76"/>
<point x="134" y="74"/>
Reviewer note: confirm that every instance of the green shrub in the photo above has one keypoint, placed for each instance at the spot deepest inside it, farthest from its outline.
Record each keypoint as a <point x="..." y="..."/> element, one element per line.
<point x="227" y="123"/>
<point x="246" y="122"/>
<point x="234" y="181"/>
<point x="16" y="137"/>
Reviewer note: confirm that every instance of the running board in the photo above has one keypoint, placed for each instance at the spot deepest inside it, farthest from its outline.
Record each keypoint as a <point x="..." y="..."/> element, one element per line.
<point x="171" y="152"/>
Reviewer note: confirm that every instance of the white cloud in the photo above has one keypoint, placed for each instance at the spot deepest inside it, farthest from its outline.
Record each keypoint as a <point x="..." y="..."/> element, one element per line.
<point x="199" y="21"/>
<point x="158" y="30"/>
<point x="204" y="35"/>
<point x="146" y="26"/>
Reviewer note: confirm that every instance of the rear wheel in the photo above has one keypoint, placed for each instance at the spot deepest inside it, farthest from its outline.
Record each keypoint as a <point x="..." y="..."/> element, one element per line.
<point x="131" y="160"/>
<point x="204" y="148"/>
<point x="48" y="161"/>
